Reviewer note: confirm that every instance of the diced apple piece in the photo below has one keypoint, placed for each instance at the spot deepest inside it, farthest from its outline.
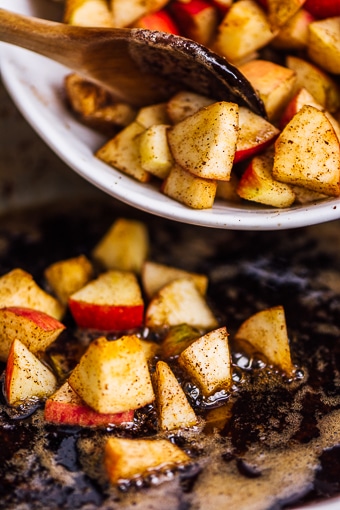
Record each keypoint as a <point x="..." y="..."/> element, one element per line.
<point x="155" y="153"/>
<point x="173" y="408"/>
<point x="95" y="13"/>
<point x="227" y="190"/>
<point x="150" y="349"/>
<point x="216" y="419"/>
<point x="307" y="153"/>
<point x="306" y="196"/>
<point x="186" y="103"/>
<point x="255" y="134"/>
<point x="111" y="302"/>
<point x="281" y="11"/>
<point x="244" y="30"/>
<point x="177" y="339"/>
<point x="67" y="276"/>
<point x="258" y="185"/>
<point x="35" y="329"/>
<point x="188" y="189"/>
<point x="160" y="20"/>
<point x="18" y="288"/>
<point x="322" y="87"/>
<point x="65" y="407"/>
<point x="294" y="34"/>
<point x="148" y="116"/>
<point x="113" y="376"/>
<point x="208" y="361"/>
<point x="26" y="377"/>
<point x="125" y="246"/>
<point x="155" y="276"/>
<point x="179" y="302"/>
<point x="274" y="83"/>
<point x="324" y="44"/>
<point x="125" y="12"/>
<point x="324" y="9"/>
<point x="126" y="459"/>
<point x="204" y="144"/>
<point x="266" y="333"/>
<point x="122" y="152"/>
<point x="197" y="19"/>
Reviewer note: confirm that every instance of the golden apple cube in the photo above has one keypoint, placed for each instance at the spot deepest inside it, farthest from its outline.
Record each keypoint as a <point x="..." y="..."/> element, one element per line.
<point x="186" y="103"/>
<point x="95" y="13"/>
<point x="125" y="12"/>
<point x="204" y="144"/>
<point x="173" y="408"/>
<point x="307" y="153"/>
<point x="179" y="302"/>
<point x="67" y="276"/>
<point x="266" y="333"/>
<point x="155" y="276"/>
<point x="18" y="288"/>
<point x="281" y="11"/>
<point x="155" y="153"/>
<point x="26" y="377"/>
<point x="153" y="115"/>
<point x="188" y="189"/>
<point x="113" y="376"/>
<point x="126" y="459"/>
<point x="324" y="44"/>
<point x="208" y="361"/>
<point x="125" y="246"/>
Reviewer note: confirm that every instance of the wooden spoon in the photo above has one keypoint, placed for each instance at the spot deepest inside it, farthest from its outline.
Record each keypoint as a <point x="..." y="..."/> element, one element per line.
<point x="139" y="66"/>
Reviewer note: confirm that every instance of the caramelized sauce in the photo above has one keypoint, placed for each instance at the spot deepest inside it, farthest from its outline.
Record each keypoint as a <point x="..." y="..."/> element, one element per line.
<point x="271" y="442"/>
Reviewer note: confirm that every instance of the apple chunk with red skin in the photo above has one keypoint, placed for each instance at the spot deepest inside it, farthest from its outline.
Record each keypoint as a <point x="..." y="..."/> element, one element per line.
<point x="160" y="20"/>
<point x="65" y="407"/>
<point x="26" y="377"/>
<point x="323" y="9"/>
<point x="197" y="19"/>
<point x="34" y="328"/>
<point x="111" y="302"/>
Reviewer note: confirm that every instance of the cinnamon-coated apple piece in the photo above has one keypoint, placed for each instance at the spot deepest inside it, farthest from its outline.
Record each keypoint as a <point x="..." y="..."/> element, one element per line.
<point x="124" y="246"/>
<point x="152" y="114"/>
<point x="113" y="376"/>
<point x="65" y="407"/>
<point x="324" y="44"/>
<point x="293" y="35"/>
<point x="35" y="329"/>
<point x="258" y="185"/>
<point x="126" y="12"/>
<point x="95" y="13"/>
<point x="265" y="333"/>
<point x="126" y="459"/>
<point x="155" y="152"/>
<point x="179" y="302"/>
<point x="173" y="408"/>
<point x="18" y="288"/>
<point x="208" y="361"/>
<point x="307" y="153"/>
<point x="281" y="11"/>
<point x="111" y="302"/>
<point x="186" y="103"/>
<point x="196" y="19"/>
<point x="159" y="20"/>
<point x="26" y="377"/>
<point x="204" y="144"/>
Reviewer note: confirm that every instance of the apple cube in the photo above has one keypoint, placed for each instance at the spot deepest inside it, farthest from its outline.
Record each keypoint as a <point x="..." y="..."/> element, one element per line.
<point x="227" y="190"/>
<point x="35" y="329"/>
<point x="324" y="9"/>
<point x="196" y="19"/>
<point x="125" y="246"/>
<point x="323" y="88"/>
<point x="281" y="11"/>
<point x="204" y="144"/>
<point x="155" y="153"/>
<point x="177" y="339"/>
<point x="244" y="30"/>
<point x="155" y="276"/>
<point x="307" y="153"/>
<point x="208" y="361"/>
<point x="126" y="12"/>
<point x="173" y="408"/>
<point x="95" y="13"/>
<point x="255" y="134"/>
<point x="306" y="196"/>
<point x="122" y="152"/>
<point x="294" y="34"/>
<point x="67" y="276"/>
<point x="26" y="377"/>
<point x="258" y="185"/>
<point x="265" y="332"/>
<point x="188" y="189"/>
<point x="324" y="44"/>
<point x="160" y="20"/>
<point x="179" y="302"/>
<point x="113" y="376"/>
<point x="126" y="459"/>
<point x="150" y="115"/>
<point x="18" y="288"/>
<point x="111" y="302"/>
<point x="65" y="407"/>
<point x="186" y="103"/>
<point x="274" y="83"/>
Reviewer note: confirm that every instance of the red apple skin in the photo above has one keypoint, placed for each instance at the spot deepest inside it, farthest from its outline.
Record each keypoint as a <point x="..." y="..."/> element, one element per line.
<point x="106" y="317"/>
<point x="246" y="153"/>
<point x="187" y="16"/>
<point x="322" y="9"/>
<point x="69" y="413"/>
<point x="160" y="20"/>
<point x="41" y="319"/>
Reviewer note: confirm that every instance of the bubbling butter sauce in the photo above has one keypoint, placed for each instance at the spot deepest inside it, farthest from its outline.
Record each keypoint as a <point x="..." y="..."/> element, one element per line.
<point x="270" y="443"/>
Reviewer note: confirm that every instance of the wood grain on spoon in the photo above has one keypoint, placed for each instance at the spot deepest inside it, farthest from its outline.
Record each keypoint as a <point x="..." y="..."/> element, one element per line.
<point x="138" y="65"/>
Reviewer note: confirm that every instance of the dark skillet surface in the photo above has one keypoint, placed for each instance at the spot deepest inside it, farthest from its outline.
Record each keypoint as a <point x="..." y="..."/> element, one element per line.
<point x="282" y="444"/>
